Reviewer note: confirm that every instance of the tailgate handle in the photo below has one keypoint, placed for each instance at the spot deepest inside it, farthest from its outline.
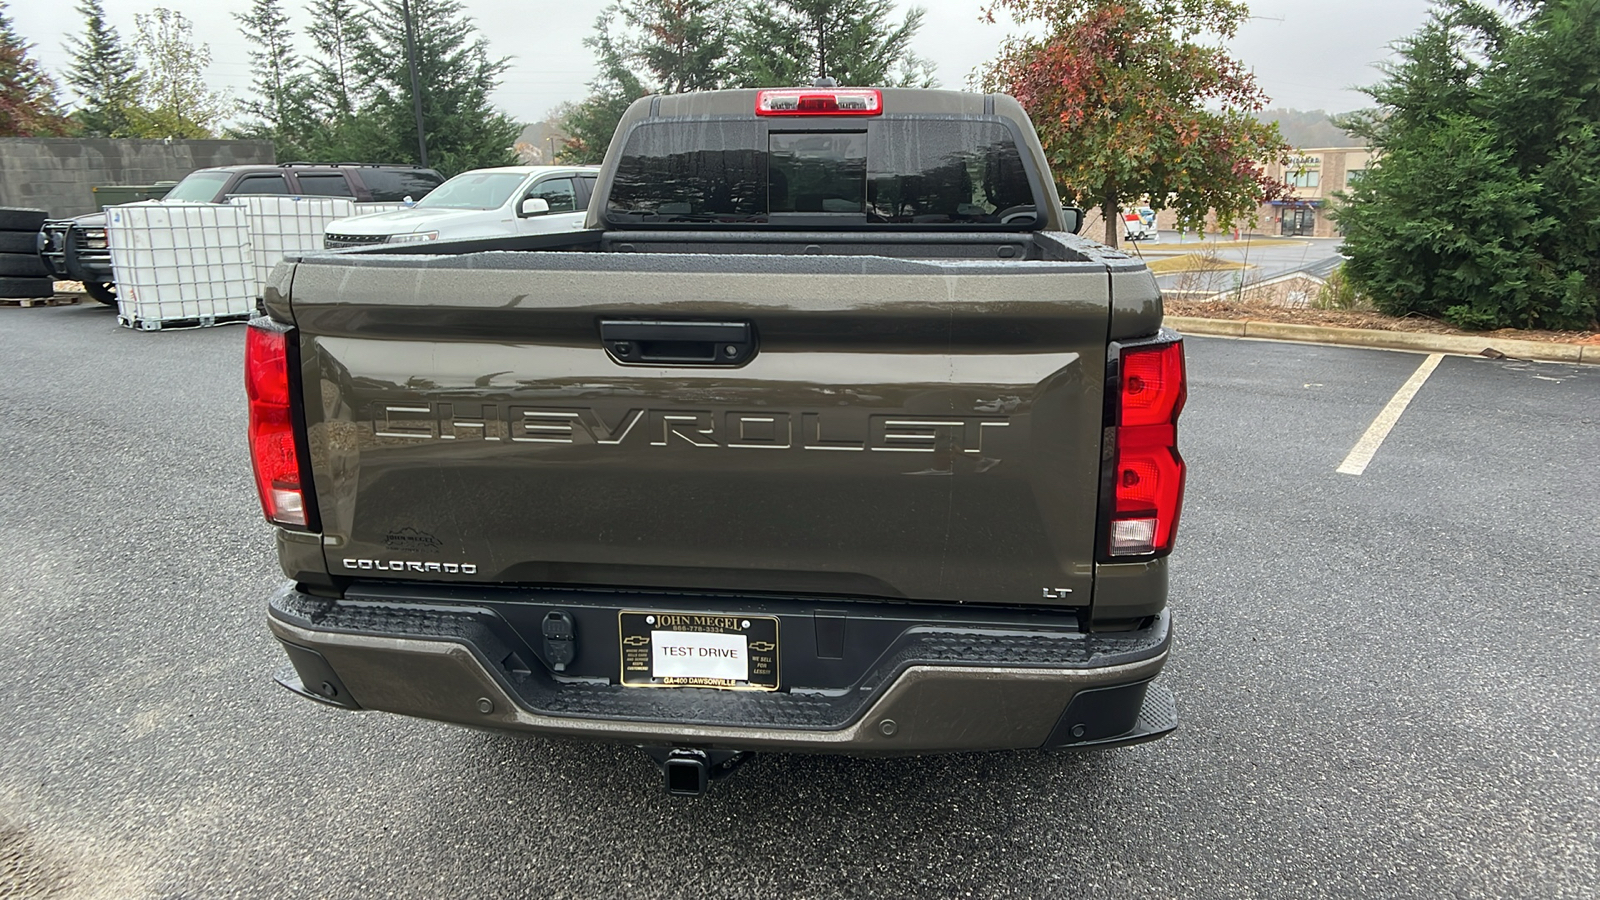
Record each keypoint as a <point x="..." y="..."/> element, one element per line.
<point x="636" y="342"/>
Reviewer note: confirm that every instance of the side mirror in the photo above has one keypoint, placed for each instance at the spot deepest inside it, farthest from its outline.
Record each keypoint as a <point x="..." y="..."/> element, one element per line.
<point x="533" y="206"/>
<point x="1072" y="219"/>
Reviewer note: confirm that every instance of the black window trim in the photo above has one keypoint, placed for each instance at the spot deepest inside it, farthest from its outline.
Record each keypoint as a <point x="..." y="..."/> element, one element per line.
<point x="355" y="193"/>
<point x="766" y="126"/>
<point x="232" y="188"/>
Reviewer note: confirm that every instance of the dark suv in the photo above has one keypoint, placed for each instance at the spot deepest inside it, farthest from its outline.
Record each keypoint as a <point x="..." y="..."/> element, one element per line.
<point x="76" y="248"/>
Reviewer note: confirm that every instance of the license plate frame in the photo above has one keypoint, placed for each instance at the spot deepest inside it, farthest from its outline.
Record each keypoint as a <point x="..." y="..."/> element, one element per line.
<point x="636" y="635"/>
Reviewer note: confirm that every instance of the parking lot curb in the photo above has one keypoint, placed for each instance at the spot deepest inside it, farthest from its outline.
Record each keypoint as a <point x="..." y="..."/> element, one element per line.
<point x="1391" y="340"/>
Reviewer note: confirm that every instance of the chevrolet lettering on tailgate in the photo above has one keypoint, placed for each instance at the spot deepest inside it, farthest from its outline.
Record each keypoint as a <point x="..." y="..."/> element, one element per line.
<point x="685" y="428"/>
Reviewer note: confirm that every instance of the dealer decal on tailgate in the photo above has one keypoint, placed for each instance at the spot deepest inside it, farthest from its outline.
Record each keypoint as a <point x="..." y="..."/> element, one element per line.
<point x="699" y="650"/>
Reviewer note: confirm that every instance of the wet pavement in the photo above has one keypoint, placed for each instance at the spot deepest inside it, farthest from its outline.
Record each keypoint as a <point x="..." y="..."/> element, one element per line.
<point x="1388" y="682"/>
<point x="1261" y="259"/>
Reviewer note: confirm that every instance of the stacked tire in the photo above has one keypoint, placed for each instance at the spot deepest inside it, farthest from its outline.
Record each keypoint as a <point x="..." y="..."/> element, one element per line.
<point x="22" y="272"/>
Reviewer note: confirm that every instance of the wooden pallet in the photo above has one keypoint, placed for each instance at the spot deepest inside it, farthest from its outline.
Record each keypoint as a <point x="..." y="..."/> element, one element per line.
<point x="57" y="300"/>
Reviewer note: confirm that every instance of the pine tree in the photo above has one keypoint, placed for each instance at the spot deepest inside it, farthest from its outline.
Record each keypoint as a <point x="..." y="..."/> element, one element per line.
<point x="278" y="81"/>
<point x="793" y="42"/>
<point x="174" y="93"/>
<point x="463" y="129"/>
<point x="681" y="45"/>
<point x="28" y="103"/>
<point x="105" y="76"/>
<point x="673" y="46"/>
<point x="643" y="47"/>
<point x="337" y="28"/>
<point x="590" y="124"/>
<point x="281" y="88"/>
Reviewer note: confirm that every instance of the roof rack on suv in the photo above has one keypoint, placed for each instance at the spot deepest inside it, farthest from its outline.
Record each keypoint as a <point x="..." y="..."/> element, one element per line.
<point x="357" y="165"/>
<point x="352" y="164"/>
<point x="382" y="165"/>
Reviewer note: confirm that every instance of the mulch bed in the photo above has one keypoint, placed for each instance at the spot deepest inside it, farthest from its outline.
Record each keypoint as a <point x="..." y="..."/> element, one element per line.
<point x="1345" y="318"/>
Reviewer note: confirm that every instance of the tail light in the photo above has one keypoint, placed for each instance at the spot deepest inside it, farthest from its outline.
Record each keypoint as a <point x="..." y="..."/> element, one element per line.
<point x="1145" y="490"/>
<point x="819" y="102"/>
<point x="275" y="453"/>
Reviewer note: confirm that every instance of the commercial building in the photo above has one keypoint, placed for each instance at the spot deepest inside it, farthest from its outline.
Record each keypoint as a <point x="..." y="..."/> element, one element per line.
<point x="1314" y="174"/>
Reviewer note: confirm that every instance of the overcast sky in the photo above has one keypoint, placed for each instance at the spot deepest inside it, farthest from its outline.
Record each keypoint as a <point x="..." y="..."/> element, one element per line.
<point x="1306" y="55"/>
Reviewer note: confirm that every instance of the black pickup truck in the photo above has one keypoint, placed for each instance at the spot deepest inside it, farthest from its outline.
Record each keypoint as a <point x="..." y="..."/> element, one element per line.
<point x="827" y="434"/>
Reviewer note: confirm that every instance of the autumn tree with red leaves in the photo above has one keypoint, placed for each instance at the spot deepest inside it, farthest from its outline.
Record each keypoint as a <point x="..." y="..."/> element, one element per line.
<point x="1130" y="105"/>
<point x="28" y="103"/>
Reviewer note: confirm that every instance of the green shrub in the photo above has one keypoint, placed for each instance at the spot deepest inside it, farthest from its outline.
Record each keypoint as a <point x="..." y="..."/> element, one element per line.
<point x="1483" y="207"/>
<point x="1339" y="292"/>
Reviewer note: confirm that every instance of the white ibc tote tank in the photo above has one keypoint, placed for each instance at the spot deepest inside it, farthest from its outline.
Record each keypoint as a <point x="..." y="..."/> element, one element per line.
<point x="180" y="265"/>
<point x="287" y="226"/>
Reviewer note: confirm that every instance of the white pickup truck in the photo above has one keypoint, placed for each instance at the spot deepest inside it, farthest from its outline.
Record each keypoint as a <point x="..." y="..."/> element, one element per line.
<point x="482" y="203"/>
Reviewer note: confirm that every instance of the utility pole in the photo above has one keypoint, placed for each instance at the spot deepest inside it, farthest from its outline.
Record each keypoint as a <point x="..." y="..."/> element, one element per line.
<point x="416" y="89"/>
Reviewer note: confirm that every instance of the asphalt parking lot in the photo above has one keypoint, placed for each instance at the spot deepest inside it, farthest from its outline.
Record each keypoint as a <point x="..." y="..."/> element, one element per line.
<point x="1389" y="682"/>
<point x="1263" y="259"/>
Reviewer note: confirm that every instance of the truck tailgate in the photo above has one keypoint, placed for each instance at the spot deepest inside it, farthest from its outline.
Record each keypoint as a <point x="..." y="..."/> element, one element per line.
<point x="903" y="429"/>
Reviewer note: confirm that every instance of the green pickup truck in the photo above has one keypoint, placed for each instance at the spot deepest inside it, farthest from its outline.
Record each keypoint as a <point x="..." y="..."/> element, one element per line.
<point x="826" y="434"/>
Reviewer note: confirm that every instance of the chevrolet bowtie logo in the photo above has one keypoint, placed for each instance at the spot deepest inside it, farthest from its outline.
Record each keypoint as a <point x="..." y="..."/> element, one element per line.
<point x="762" y="646"/>
<point x="634" y="640"/>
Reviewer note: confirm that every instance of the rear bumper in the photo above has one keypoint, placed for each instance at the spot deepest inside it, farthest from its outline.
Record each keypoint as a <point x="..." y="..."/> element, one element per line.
<point x="966" y="681"/>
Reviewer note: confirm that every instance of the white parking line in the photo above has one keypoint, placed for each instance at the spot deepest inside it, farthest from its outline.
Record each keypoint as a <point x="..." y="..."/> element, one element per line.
<point x="1361" y="454"/>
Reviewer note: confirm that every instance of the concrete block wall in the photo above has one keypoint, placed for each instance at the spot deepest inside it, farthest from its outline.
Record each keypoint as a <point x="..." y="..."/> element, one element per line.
<point x="57" y="174"/>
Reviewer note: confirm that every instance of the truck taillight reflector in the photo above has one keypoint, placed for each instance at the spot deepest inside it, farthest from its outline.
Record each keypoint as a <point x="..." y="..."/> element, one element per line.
<point x="1148" y="478"/>
<point x="819" y="102"/>
<point x="273" y="452"/>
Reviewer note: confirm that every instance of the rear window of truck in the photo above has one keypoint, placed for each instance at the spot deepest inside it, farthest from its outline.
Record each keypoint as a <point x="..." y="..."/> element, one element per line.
<point x="907" y="172"/>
